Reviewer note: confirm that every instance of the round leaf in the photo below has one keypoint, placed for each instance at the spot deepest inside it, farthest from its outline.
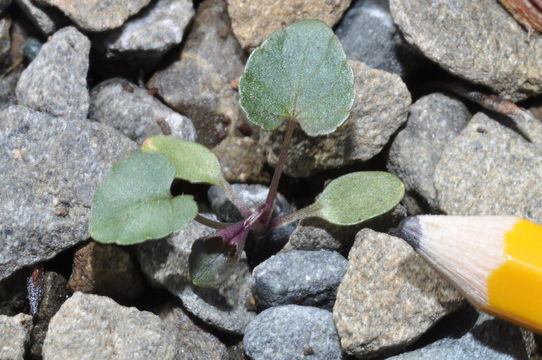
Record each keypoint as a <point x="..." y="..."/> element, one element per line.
<point x="193" y="162"/>
<point x="134" y="204"/>
<point x="299" y="73"/>
<point x="359" y="196"/>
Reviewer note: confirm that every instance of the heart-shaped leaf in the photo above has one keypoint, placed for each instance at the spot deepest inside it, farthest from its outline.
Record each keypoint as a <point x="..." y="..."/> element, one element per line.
<point x="299" y="73"/>
<point x="134" y="204"/>
<point x="359" y="196"/>
<point x="193" y="162"/>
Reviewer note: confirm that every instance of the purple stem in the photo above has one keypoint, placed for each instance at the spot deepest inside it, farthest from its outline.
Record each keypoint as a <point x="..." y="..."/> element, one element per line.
<point x="273" y="188"/>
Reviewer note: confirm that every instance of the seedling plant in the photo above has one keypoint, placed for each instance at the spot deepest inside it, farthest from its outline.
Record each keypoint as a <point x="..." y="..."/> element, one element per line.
<point x="299" y="76"/>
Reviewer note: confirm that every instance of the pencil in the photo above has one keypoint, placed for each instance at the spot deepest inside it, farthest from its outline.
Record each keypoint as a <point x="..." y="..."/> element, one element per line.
<point x="495" y="261"/>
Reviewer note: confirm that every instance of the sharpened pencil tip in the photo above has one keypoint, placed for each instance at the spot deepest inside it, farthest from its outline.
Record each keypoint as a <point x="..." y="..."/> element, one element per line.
<point x="410" y="230"/>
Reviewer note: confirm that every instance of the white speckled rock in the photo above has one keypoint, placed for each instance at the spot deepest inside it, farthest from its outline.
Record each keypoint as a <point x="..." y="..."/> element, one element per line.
<point x="95" y="327"/>
<point x="50" y="170"/>
<point x="292" y="332"/>
<point x="299" y="277"/>
<point x="476" y="40"/>
<point x="14" y="336"/>
<point x="97" y="15"/>
<point x="389" y="297"/>
<point x="434" y="120"/>
<point x="138" y="115"/>
<point x="56" y="81"/>
<point x="490" y="169"/>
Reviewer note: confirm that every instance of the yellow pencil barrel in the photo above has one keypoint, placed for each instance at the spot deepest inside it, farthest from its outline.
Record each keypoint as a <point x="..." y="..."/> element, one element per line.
<point x="515" y="288"/>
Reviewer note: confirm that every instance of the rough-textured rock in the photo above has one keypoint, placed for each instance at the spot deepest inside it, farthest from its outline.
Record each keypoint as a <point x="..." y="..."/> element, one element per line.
<point x="242" y="160"/>
<point x="46" y="19"/>
<point x="380" y="108"/>
<point x="5" y="39"/>
<point x="476" y="40"/>
<point x="235" y="352"/>
<point x="256" y="249"/>
<point x="138" y="115"/>
<point x="97" y="15"/>
<point x="165" y="262"/>
<point x="194" y="343"/>
<point x="490" y="169"/>
<point x="14" y="335"/>
<point x="433" y="122"/>
<point x="292" y="332"/>
<point x="54" y="295"/>
<point x="490" y="339"/>
<point x="253" y="21"/>
<point x="389" y="296"/>
<point x="56" y="81"/>
<point x="318" y="234"/>
<point x="152" y="32"/>
<point x="50" y="170"/>
<point x="105" y="270"/>
<point x="95" y="327"/>
<point x="197" y="84"/>
<point x="368" y="35"/>
<point x="299" y="277"/>
<point x="7" y="88"/>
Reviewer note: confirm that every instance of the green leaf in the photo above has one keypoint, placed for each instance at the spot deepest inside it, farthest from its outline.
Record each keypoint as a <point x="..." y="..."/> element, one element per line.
<point x="359" y="196"/>
<point x="134" y="204"/>
<point x="212" y="261"/>
<point x="193" y="162"/>
<point x="299" y="73"/>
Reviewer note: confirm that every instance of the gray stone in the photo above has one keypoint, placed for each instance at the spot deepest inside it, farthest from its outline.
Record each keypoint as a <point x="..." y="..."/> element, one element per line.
<point x="51" y="168"/>
<point x="242" y="160"/>
<point x="235" y="352"/>
<point x="380" y="108"/>
<point x="14" y="335"/>
<point x="31" y="48"/>
<point x="368" y="35"/>
<point x="389" y="297"/>
<point x="253" y="21"/>
<point x="476" y="40"/>
<point x="152" y="33"/>
<point x="97" y="15"/>
<point x="46" y="19"/>
<point x="253" y="195"/>
<point x="257" y="249"/>
<point x="292" y="332"/>
<point x="56" y="81"/>
<point x="193" y="342"/>
<point x="490" y="170"/>
<point x="165" y="262"/>
<point x="227" y="308"/>
<point x="433" y="122"/>
<point x="198" y="83"/>
<point x="299" y="277"/>
<point x="54" y="295"/>
<point x="138" y="115"/>
<point x="7" y="88"/>
<point x="105" y="269"/>
<point x="490" y="339"/>
<point x="95" y="327"/>
<point x="318" y="234"/>
<point x="5" y="39"/>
